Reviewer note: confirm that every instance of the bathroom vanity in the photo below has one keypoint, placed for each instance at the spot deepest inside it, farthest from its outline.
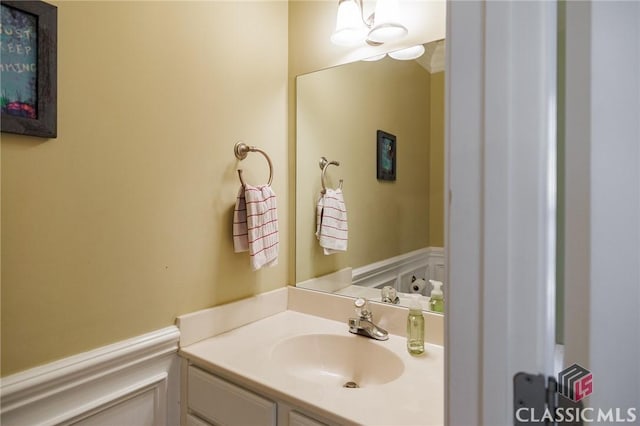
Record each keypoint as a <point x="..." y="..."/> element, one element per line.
<point x="213" y="399"/>
<point x="293" y="368"/>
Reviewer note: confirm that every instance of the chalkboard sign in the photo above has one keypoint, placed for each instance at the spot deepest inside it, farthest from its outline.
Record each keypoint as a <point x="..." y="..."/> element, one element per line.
<point x="19" y="62"/>
<point x="28" y="39"/>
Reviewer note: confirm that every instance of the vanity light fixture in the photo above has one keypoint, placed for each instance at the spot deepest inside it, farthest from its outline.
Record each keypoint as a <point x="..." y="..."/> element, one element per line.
<point x="375" y="58"/>
<point x="406" y="54"/>
<point x="380" y="27"/>
<point x="350" y="27"/>
<point x="409" y="53"/>
<point x="385" y="23"/>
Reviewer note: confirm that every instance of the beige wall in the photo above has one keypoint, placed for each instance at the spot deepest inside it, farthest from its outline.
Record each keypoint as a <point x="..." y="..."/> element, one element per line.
<point x="339" y="111"/>
<point x="124" y="221"/>
<point x="436" y="160"/>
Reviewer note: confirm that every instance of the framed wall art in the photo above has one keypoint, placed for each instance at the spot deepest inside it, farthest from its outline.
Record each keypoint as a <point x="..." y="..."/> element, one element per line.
<point x="386" y="156"/>
<point x="28" y="68"/>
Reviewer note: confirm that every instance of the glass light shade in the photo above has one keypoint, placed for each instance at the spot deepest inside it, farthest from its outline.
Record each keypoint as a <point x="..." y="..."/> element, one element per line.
<point x="387" y="32"/>
<point x="413" y="52"/>
<point x="375" y="58"/>
<point x="350" y="30"/>
<point x="386" y="26"/>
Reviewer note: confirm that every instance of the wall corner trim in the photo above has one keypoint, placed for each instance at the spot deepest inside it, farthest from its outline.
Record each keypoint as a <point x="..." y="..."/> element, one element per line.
<point x="53" y="392"/>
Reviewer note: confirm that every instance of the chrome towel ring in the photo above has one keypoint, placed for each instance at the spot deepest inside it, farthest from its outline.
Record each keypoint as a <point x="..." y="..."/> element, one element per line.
<point x="241" y="150"/>
<point x="324" y="164"/>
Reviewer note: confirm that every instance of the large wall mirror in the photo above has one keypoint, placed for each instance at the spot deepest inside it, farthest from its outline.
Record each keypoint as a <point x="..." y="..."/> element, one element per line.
<point x="395" y="227"/>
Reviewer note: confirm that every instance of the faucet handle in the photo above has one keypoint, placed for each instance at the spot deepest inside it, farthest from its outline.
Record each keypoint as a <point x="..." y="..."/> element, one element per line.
<point x="360" y="302"/>
<point x="389" y="295"/>
<point x="362" y="308"/>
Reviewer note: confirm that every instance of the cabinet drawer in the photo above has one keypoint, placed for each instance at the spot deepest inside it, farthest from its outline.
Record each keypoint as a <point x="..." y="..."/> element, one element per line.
<point x="226" y="404"/>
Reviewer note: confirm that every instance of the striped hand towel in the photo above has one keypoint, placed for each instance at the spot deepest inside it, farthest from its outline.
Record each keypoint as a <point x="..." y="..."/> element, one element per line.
<point x="255" y="225"/>
<point x="240" y="233"/>
<point x="331" y="222"/>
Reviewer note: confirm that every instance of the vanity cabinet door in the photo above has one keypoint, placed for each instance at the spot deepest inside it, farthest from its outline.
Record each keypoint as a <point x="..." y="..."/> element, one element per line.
<point x="194" y="421"/>
<point x="224" y="403"/>
<point x="297" y="419"/>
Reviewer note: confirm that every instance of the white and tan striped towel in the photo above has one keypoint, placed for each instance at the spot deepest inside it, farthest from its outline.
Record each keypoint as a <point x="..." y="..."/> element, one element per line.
<point x="255" y="225"/>
<point x="331" y="222"/>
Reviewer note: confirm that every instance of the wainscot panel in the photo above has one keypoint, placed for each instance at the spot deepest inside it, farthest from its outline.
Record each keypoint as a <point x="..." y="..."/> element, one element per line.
<point x="135" y="381"/>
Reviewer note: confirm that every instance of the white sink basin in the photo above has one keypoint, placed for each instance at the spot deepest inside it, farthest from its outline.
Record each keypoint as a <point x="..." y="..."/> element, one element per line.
<point x="330" y="359"/>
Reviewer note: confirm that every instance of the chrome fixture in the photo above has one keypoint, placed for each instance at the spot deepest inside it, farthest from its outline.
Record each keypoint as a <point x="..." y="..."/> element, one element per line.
<point x="380" y="27"/>
<point x="389" y="295"/>
<point x="241" y="149"/>
<point x="324" y="163"/>
<point x="363" y="324"/>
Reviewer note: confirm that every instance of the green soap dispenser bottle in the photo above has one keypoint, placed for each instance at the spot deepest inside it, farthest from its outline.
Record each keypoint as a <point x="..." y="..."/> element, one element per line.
<point x="436" y="301"/>
<point x="415" y="327"/>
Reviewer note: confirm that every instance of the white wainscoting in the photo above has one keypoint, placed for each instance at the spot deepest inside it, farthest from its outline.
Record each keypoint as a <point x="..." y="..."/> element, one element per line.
<point x="427" y="263"/>
<point x="133" y="382"/>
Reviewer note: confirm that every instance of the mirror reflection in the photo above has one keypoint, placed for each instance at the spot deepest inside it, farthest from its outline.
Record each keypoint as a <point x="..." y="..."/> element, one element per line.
<point x="394" y="238"/>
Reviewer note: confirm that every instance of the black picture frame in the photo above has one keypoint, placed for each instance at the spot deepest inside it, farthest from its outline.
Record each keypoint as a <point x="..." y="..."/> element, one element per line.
<point x="386" y="150"/>
<point x="44" y="124"/>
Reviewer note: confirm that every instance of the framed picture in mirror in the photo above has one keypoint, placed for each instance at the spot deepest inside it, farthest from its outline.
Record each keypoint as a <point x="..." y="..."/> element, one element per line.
<point x="28" y="43"/>
<point x="386" y="156"/>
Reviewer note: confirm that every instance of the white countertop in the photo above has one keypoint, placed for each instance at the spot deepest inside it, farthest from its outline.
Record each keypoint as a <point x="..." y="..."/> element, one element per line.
<point x="243" y="355"/>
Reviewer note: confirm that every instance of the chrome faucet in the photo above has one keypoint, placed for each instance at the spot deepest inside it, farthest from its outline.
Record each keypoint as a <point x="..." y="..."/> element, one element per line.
<point x="363" y="325"/>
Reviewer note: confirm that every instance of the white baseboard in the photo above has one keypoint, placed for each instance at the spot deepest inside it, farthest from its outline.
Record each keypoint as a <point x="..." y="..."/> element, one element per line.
<point x="135" y="381"/>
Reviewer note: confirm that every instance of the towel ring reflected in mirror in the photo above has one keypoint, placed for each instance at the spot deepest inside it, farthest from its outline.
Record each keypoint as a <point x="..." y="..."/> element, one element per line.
<point x="324" y="164"/>
<point x="241" y="150"/>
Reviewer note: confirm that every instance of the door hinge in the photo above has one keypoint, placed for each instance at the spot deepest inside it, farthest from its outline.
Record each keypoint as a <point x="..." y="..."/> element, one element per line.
<point x="533" y="396"/>
<point x="535" y="400"/>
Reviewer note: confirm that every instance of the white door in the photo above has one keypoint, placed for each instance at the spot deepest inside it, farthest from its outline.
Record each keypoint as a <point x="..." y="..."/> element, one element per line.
<point x="501" y="110"/>
<point x="501" y="126"/>
<point x="602" y="237"/>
